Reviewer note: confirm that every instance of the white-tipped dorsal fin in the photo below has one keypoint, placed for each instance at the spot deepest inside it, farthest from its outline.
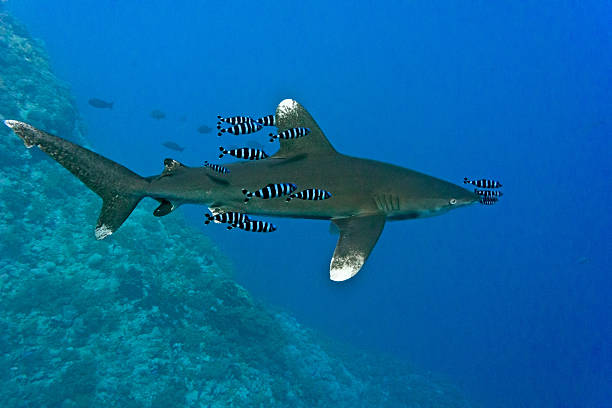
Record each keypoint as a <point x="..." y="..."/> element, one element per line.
<point x="290" y="114"/>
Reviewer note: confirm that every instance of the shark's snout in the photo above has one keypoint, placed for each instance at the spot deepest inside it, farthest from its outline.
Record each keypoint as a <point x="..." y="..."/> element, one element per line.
<point x="455" y="197"/>
<point x="465" y="198"/>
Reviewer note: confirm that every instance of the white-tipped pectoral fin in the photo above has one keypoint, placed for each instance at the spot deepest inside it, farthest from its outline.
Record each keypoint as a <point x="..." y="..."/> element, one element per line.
<point x="358" y="235"/>
<point x="345" y="267"/>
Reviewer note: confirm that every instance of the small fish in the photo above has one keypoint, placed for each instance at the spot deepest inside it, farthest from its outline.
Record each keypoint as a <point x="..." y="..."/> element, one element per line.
<point x="204" y="129"/>
<point x="99" y="103"/>
<point x="483" y="183"/>
<point x="244" y="153"/>
<point x="489" y="193"/>
<point x="216" y="167"/>
<point x="311" y="194"/>
<point x="157" y="114"/>
<point x="173" y="146"/>
<point x="486" y="200"/>
<point x="227" y="218"/>
<point x="582" y="260"/>
<point x="270" y="191"/>
<point x="234" y="120"/>
<point x="255" y="226"/>
<point x="241" y="128"/>
<point x="269" y="120"/>
<point x="290" y="133"/>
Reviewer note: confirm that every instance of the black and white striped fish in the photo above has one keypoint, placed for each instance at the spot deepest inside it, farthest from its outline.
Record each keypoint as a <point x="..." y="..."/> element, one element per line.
<point x="483" y="183"/>
<point x="216" y="167"/>
<point x="270" y="191"/>
<point x="234" y="120"/>
<point x="292" y="133"/>
<point x="248" y="153"/>
<point x="255" y="226"/>
<point x="269" y="120"/>
<point x="241" y="128"/>
<point x="488" y="193"/>
<point x="487" y="200"/>
<point x="227" y="218"/>
<point x="311" y="194"/>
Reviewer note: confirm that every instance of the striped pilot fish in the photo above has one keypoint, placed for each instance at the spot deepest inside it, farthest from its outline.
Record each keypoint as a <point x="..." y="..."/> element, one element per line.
<point x="255" y="226"/>
<point x="234" y="120"/>
<point x="270" y="191"/>
<point x="216" y="167"/>
<point x="311" y="194"/>
<point x="488" y="200"/>
<point x="227" y="218"/>
<point x="483" y="183"/>
<point x="244" y="153"/>
<point x="488" y="193"/>
<point x="241" y="128"/>
<point x="292" y="133"/>
<point x="269" y="120"/>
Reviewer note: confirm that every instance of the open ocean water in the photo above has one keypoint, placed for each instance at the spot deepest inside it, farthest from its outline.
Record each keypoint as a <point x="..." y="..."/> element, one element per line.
<point x="509" y="303"/>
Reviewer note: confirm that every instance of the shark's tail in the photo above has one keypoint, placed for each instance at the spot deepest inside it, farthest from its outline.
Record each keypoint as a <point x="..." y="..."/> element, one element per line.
<point x="120" y="188"/>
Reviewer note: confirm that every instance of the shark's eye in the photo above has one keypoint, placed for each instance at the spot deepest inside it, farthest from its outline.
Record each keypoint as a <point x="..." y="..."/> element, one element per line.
<point x="453" y="201"/>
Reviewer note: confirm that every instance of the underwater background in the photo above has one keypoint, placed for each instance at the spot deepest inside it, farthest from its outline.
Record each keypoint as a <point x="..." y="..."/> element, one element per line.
<point x="506" y="305"/>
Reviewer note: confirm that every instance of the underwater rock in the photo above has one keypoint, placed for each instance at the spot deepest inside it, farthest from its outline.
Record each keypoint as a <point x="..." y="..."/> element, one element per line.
<point x="94" y="260"/>
<point x="144" y="322"/>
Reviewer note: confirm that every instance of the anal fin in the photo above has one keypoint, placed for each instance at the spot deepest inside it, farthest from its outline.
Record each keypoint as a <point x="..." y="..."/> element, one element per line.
<point x="358" y="235"/>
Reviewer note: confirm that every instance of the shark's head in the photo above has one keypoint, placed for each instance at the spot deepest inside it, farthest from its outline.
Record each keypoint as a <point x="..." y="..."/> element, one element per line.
<point x="428" y="196"/>
<point x="447" y="196"/>
<point x="453" y="196"/>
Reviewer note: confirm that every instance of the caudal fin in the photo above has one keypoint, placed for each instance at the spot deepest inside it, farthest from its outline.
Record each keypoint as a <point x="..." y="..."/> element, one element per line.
<point x="120" y="188"/>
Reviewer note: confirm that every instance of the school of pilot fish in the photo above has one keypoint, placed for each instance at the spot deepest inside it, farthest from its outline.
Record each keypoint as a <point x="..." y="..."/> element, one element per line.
<point x="241" y="125"/>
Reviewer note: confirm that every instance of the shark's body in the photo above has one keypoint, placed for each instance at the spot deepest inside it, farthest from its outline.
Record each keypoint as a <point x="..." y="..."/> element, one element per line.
<point x="365" y="193"/>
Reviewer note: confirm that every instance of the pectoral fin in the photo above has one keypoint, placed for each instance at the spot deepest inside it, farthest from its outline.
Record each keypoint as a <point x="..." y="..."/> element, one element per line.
<point x="358" y="235"/>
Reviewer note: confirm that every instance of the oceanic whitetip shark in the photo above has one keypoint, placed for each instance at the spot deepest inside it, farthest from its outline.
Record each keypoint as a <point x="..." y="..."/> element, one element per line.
<point x="365" y="193"/>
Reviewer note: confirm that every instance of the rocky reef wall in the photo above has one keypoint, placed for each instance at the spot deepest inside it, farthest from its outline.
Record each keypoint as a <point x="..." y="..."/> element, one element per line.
<point x="151" y="316"/>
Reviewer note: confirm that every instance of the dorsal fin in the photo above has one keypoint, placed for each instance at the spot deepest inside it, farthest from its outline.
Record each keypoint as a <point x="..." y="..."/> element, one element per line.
<point x="290" y="114"/>
<point x="171" y="166"/>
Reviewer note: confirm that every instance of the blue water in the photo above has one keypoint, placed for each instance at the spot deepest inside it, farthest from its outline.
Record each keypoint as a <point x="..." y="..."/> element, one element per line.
<point x="511" y="302"/>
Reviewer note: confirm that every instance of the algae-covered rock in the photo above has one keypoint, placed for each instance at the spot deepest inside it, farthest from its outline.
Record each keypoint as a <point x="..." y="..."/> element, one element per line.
<point x="143" y="319"/>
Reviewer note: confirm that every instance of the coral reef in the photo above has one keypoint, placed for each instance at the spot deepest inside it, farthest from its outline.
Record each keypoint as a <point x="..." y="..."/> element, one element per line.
<point x="150" y="317"/>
